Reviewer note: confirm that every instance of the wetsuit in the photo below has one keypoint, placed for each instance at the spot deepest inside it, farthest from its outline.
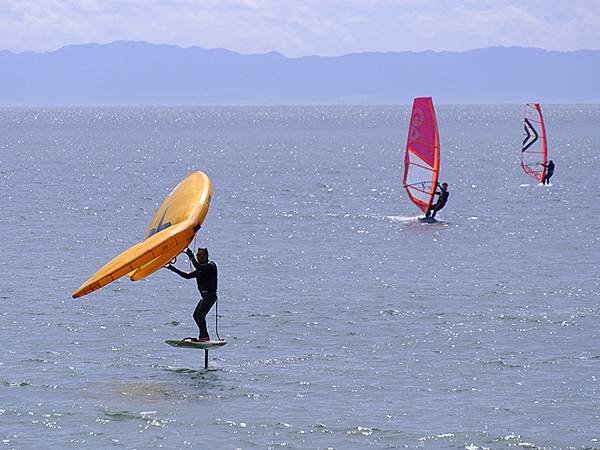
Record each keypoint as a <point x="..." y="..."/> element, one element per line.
<point x="206" y="278"/>
<point x="441" y="202"/>
<point x="549" y="172"/>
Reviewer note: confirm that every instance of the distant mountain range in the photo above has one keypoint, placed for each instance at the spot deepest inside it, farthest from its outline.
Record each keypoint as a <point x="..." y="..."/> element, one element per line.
<point x="138" y="73"/>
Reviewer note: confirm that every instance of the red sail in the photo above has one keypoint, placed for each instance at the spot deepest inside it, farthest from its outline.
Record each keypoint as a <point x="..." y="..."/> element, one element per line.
<point x="534" y="151"/>
<point x="422" y="156"/>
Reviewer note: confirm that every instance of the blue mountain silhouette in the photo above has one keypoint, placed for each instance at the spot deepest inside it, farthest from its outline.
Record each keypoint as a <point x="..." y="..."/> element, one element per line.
<point x="138" y="73"/>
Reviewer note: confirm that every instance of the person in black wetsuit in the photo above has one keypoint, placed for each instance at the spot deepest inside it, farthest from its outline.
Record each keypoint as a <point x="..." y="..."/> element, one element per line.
<point x="205" y="274"/>
<point x="441" y="202"/>
<point x="549" y="172"/>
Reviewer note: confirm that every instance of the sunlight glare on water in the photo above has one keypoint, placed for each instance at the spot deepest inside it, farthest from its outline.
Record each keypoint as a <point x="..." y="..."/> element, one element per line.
<point x="349" y="323"/>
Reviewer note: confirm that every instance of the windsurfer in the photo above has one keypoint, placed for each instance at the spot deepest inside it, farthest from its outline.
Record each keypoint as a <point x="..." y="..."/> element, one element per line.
<point x="205" y="274"/>
<point x="441" y="202"/>
<point x="549" y="172"/>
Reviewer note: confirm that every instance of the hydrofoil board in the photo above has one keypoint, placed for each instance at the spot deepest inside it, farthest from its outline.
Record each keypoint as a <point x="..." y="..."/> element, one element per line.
<point x="186" y="343"/>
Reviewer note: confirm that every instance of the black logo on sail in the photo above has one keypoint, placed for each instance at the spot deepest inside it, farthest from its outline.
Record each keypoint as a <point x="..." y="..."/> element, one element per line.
<point x="531" y="136"/>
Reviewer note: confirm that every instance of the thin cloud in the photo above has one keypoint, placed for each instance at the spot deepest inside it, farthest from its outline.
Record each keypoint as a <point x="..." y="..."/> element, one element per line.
<point x="327" y="27"/>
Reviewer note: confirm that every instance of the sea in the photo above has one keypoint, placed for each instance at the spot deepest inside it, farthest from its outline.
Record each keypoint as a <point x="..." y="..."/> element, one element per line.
<point x="349" y="324"/>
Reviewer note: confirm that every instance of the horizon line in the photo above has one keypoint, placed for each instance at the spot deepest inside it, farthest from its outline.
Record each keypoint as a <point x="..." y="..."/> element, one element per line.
<point x="290" y="105"/>
<point x="275" y="52"/>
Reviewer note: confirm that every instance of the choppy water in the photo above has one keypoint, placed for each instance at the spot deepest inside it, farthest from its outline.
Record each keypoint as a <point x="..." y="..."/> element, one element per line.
<point x="350" y="325"/>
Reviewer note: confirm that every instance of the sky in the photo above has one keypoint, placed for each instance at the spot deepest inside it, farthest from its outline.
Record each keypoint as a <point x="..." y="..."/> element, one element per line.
<point x="303" y="27"/>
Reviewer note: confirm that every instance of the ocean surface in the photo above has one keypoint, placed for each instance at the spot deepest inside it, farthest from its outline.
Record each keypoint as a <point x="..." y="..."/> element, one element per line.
<point x="350" y="325"/>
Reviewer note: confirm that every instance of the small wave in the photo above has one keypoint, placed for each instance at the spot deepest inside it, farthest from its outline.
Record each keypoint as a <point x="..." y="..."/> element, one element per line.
<point x="403" y="219"/>
<point x="16" y="383"/>
<point x="502" y="364"/>
<point x="364" y="431"/>
<point x="125" y="415"/>
<point x="149" y="417"/>
<point x="177" y="369"/>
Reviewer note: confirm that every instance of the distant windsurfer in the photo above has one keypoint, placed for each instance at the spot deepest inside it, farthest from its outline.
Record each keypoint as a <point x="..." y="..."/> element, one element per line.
<point x="549" y="172"/>
<point x="205" y="274"/>
<point x="441" y="201"/>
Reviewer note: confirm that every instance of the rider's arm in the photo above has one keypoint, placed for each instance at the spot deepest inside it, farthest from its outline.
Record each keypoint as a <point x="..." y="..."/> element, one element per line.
<point x="195" y="263"/>
<point x="181" y="273"/>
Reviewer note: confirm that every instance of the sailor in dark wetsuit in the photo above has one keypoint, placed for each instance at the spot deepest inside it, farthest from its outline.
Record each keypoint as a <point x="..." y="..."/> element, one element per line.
<point x="549" y="172"/>
<point x="206" y="278"/>
<point x="441" y="202"/>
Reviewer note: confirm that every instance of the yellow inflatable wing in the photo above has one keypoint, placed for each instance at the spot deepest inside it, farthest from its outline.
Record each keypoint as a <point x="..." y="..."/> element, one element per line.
<point x="170" y="232"/>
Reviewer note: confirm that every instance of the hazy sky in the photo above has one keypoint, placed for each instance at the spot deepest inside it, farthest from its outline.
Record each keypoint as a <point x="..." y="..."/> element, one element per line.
<point x="301" y="27"/>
